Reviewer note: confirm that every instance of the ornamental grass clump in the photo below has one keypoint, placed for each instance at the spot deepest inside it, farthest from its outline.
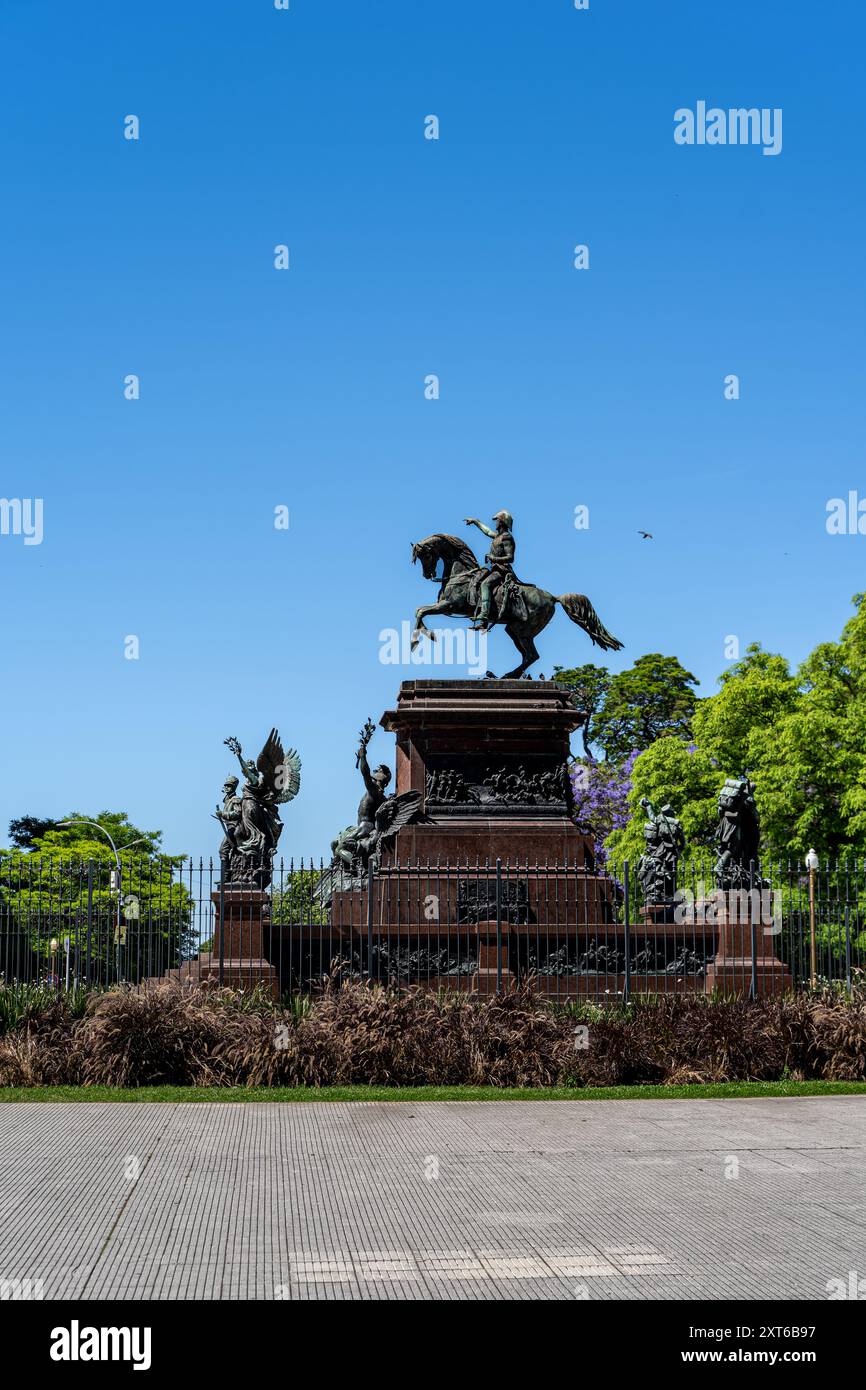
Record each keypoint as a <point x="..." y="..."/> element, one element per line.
<point x="161" y="1036"/>
<point x="355" y="1033"/>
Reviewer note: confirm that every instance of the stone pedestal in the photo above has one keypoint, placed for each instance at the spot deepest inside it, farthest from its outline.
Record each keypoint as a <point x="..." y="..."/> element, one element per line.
<point x="742" y="949"/>
<point x="656" y="917"/>
<point x="246" y="936"/>
<point x="489" y="759"/>
<point x="488" y="978"/>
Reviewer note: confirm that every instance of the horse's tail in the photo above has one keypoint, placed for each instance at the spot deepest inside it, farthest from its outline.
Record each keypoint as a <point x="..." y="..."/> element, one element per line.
<point x="581" y="611"/>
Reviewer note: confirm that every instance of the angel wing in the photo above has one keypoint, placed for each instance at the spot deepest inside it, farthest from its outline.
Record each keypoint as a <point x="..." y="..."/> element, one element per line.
<point x="396" y="811"/>
<point x="281" y="772"/>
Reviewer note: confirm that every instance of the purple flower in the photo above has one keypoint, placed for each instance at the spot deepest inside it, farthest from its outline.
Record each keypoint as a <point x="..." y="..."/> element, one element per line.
<point x="601" y="797"/>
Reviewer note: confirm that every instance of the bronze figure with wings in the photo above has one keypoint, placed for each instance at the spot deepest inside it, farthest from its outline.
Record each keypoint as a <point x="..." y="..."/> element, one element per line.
<point x="252" y="822"/>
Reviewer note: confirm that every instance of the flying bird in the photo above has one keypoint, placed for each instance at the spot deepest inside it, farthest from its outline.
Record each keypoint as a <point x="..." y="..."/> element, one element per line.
<point x="647" y="535"/>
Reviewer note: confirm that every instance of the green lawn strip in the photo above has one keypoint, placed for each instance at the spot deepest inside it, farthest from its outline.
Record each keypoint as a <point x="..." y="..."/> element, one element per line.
<point x="413" y="1094"/>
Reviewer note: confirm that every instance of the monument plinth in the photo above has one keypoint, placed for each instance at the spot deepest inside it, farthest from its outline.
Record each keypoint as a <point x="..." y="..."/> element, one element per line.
<point x="243" y="937"/>
<point x="746" y="952"/>
<point x="490" y="762"/>
<point x="483" y="766"/>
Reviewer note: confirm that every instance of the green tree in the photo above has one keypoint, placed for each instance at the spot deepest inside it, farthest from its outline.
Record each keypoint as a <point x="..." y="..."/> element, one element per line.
<point x="755" y="693"/>
<point x="800" y="737"/>
<point x="590" y="685"/>
<point x="671" y="770"/>
<point x="650" y="700"/>
<point x="293" y="900"/>
<point x="26" y="830"/>
<point x="810" y="760"/>
<point x="62" y="886"/>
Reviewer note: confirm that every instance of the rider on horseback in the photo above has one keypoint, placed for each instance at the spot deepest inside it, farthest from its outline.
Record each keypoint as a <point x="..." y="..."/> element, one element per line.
<point x="499" y="558"/>
<point x="524" y="609"/>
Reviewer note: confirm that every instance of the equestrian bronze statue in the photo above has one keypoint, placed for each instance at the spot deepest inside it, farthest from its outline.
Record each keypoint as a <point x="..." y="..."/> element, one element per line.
<point x="492" y="593"/>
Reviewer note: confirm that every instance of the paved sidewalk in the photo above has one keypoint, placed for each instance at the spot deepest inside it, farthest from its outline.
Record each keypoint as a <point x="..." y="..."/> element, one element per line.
<point x="498" y="1200"/>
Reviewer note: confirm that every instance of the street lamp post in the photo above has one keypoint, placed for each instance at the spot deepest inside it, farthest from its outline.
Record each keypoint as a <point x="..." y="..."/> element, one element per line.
<point x="142" y="839"/>
<point x="813" y="863"/>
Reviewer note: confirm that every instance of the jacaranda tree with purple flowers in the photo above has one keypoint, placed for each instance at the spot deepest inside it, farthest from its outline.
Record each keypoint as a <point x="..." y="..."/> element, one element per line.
<point x="601" y="797"/>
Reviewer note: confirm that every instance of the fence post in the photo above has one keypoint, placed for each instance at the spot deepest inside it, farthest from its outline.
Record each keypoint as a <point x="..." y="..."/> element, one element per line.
<point x="370" y="920"/>
<point x="627" y="933"/>
<point x="498" y="926"/>
<point x="89" y="919"/>
<point x="753" y="926"/>
<point x="224" y="864"/>
<point x="118" y="929"/>
<point x="847" y="949"/>
<point x="813" y="966"/>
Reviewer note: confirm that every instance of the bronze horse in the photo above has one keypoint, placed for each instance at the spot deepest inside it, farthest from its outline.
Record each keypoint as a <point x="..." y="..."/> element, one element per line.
<point x="524" y="609"/>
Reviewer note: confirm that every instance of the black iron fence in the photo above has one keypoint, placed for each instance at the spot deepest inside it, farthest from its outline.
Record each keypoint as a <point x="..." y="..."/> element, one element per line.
<point x="569" y="931"/>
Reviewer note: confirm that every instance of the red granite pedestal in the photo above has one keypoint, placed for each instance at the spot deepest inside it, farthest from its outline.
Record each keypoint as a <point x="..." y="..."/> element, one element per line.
<point x="490" y="761"/>
<point x="473" y="728"/>
<point x="744" y="951"/>
<point x="246" y="942"/>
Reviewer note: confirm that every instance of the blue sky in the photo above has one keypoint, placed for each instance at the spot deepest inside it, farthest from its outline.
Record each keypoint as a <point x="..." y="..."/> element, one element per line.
<point x="305" y="387"/>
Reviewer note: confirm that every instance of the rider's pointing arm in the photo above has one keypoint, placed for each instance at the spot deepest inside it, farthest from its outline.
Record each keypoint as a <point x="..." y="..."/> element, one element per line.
<point x="473" y="521"/>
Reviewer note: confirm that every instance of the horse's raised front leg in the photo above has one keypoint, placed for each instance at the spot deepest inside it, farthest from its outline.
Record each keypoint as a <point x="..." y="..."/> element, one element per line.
<point x="421" y="613"/>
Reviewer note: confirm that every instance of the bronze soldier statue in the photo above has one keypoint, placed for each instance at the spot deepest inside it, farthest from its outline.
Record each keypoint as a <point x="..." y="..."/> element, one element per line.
<point x="738" y="837"/>
<point x="500" y="559"/>
<point x="229" y="817"/>
<point x="665" y="844"/>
